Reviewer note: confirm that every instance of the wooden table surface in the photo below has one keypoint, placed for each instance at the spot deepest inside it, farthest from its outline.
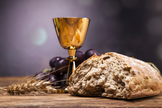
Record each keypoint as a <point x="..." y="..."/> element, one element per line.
<point x="68" y="101"/>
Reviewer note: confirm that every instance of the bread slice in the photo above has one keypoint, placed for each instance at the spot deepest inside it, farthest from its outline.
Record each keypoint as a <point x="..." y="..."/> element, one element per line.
<point x="115" y="75"/>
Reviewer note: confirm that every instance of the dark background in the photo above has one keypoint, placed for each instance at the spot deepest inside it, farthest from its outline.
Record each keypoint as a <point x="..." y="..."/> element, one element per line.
<point x="28" y="39"/>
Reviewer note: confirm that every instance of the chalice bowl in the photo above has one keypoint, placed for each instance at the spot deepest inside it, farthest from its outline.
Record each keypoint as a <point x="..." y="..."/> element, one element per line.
<point x="71" y="32"/>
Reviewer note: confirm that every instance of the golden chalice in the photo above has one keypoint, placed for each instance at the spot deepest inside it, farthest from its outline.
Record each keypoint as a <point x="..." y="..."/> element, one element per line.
<point x="71" y="32"/>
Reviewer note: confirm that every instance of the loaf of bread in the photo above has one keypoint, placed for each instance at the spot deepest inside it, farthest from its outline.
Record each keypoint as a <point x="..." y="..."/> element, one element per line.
<point x="115" y="75"/>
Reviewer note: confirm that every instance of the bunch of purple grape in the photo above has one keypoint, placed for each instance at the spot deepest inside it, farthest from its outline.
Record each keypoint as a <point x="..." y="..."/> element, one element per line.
<point x="59" y="66"/>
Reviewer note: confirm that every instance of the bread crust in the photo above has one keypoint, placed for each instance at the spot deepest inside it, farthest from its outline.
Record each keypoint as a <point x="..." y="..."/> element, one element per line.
<point x="146" y="80"/>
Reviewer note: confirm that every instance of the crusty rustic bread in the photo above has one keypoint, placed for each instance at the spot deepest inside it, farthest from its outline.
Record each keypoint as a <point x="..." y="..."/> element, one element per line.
<point x="115" y="75"/>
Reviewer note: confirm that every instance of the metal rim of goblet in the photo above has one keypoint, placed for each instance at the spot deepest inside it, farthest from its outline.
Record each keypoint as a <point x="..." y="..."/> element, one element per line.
<point x="72" y="17"/>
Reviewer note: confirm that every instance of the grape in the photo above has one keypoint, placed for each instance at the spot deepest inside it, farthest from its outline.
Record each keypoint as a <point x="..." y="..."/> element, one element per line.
<point x="52" y="78"/>
<point x="90" y="53"/>
<point x="60" y="64"/>
<point x="57" y="73"/>
<point x="63" y="83"/>
<point x="53" y="60"/>
<point x="56" y="80"/>
<point x="80" y="57"/>
<point x="52" y="70"/>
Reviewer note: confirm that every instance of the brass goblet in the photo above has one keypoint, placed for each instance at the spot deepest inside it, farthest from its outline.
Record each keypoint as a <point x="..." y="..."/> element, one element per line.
<point x="71" y="32"/>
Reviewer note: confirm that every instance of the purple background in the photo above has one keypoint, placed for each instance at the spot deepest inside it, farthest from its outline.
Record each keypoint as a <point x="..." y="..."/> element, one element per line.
<point x="28" y="39"/>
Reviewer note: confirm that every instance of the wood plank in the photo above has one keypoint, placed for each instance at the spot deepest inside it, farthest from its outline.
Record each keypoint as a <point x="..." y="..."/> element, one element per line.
<point x="66" y="100"/>
<point x="6" y="81"/>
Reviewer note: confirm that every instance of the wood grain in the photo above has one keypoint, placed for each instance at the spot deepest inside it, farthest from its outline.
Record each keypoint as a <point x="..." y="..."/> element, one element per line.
<point x="66" y="100"/>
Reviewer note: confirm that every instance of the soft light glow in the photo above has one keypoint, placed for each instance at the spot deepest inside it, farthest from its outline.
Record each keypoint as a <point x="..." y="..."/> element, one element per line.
<point x="39" y="36"/>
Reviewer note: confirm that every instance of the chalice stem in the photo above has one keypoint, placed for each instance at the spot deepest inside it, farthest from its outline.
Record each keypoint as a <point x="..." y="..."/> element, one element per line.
<point x="71" y="32"/>
<point x="71" y="69"/>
